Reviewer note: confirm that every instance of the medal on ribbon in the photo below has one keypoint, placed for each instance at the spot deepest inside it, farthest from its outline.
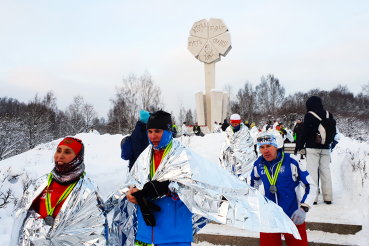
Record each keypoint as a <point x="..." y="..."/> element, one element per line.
<point x="49" y="220"/>
<point x="273" y="188"/>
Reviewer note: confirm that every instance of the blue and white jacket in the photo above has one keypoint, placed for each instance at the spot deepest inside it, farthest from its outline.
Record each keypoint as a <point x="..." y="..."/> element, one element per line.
<point x="291" y="175"/>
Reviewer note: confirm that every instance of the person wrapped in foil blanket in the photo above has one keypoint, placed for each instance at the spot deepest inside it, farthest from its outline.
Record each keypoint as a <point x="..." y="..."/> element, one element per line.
<point x="78" y="220"/>
<point x="237" y="152"/>
<point x="208" y="191"/>
<point x="81" y="218"/>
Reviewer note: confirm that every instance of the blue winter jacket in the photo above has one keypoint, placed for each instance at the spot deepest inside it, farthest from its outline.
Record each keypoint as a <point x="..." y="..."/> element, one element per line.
<point x="173" y="223"/>
<point x="291" y="174"/>
<point x="139" y="142"/>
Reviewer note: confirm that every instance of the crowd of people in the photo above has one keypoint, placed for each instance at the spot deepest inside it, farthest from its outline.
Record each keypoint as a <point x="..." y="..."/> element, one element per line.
<point x="171" y="191"/>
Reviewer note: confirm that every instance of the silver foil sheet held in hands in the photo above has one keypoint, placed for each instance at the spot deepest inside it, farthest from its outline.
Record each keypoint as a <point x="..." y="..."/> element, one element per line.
<point x="209" y="192"/>
<point x="237" y="153"/>
<point x="81" y="220"/>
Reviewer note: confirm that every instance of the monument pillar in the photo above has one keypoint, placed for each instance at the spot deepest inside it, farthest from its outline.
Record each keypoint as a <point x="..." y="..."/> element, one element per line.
<point x="200" y="111"/>
<point x="209" y="41"/>
<point x="225" y="106"/>
<point x="216" y="106"/>
<point x="209" y="85"/>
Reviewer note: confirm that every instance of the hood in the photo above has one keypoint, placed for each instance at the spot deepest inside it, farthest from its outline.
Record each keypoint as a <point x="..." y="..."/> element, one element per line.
<point x="225" y="121"/>
<point x="81" y="218"/>
<point x="314" y="103"/>
<point x="141" y="124"/>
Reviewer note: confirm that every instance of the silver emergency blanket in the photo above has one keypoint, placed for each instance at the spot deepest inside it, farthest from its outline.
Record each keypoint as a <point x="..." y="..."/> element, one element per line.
<point x="237" y="152"/>
<point x="216" y="128"/>
<point x="208" y="191"/>
<point x="254" y="132"/>
<point x="184" y="130"/>
<point x="81" y="220"/>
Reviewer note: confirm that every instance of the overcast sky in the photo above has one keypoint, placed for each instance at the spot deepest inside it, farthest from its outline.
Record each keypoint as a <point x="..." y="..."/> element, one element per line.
<point x="87" y="47"/>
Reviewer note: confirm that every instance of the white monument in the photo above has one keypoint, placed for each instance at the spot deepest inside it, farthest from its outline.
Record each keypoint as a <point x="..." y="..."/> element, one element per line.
<point x="208" y="41"/>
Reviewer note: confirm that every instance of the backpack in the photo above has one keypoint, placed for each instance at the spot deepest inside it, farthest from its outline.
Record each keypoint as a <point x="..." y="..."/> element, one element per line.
<point x="326" y="129"/>
<point x="126" y="147"/>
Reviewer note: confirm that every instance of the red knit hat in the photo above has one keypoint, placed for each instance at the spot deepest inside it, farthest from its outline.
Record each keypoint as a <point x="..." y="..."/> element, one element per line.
<point x="74" y="143"/>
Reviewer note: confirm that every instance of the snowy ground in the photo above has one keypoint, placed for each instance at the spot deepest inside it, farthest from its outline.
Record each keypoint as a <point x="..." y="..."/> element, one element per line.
<point x="107" y="169"/>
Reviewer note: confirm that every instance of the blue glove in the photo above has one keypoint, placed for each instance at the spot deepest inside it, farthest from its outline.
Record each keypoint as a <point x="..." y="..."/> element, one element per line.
<point x="299" y="216"/>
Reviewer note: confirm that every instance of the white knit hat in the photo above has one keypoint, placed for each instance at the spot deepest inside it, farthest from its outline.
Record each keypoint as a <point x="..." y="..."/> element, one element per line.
<point x="235" y="118"/>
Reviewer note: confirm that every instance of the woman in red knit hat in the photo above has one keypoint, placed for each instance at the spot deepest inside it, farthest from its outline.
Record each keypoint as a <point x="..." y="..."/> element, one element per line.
<point x="59" y="201"/>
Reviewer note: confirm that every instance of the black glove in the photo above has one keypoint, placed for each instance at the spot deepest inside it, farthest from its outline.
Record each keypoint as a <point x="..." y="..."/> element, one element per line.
<point x="155" y="189"/>
<point x="145" y="206"/>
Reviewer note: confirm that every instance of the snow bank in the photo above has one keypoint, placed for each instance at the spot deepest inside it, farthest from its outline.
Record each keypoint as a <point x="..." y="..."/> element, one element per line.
<point x="108" y="170"/>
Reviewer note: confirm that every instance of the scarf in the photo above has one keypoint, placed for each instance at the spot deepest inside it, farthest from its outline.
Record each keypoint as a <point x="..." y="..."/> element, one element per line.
<point x="69" y="172"/>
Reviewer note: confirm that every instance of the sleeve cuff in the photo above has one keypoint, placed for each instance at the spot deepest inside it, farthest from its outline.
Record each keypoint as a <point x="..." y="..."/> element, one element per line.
<point x="305" y="205"/>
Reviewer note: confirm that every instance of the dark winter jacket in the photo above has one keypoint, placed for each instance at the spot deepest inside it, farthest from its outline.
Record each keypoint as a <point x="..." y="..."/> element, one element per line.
<point x="225" y="125"/>
<point x="196" y="128"/>
<point x="311" y="124"/>
<point x="175" y="131"/>
<point x="298" y="131"/>
<point x="139" y="142"/>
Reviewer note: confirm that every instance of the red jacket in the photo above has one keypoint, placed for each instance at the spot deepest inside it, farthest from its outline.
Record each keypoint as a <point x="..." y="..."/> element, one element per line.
<point x="55" y="191"/>
<point x="158" y="155"/>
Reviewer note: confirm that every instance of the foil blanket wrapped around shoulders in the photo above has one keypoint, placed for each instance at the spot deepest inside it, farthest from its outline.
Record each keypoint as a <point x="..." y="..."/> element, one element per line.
<point x="208" y="191"/>
<point x="81" y="220"/>
<point x="237" y="154"/>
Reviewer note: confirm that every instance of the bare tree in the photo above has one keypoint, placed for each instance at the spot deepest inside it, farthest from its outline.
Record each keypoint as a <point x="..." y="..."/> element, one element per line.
<point x="75" y="116"/>
<point x="35" y="124"/>
<point x="89" y="113"/>
<point x="151" y="99"/>
<point x="276" y="93"/>
<point x="80" y="115"/>
<point x="194" y="115"/>
<point x="6" y="197"/>
<point x="189" y="117"/>
<point x="117" y="116"/>
<point x="182" y="112"/>
<point x="228" y="88"/>
<point x="11" y="136"/>
<point x="270" y="95"/>
<point x="135" y="93"/>
<point x="245" y="102"/>
<point x="366" y="89"/>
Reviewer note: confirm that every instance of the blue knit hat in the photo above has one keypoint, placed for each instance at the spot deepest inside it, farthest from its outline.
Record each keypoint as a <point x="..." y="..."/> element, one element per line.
<point x="267" y="139"/>
<point x="144" y="116"/>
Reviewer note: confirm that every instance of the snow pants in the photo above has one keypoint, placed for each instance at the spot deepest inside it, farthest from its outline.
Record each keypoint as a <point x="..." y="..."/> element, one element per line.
<point x="267" y="239"/>
<point x="318" y="161"/>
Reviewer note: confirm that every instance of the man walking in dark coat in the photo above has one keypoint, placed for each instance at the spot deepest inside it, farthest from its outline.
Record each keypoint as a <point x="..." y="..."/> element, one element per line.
<point x="317" y="155"/>
<point x="139" y="138"/>
<point x="225" y="125"/>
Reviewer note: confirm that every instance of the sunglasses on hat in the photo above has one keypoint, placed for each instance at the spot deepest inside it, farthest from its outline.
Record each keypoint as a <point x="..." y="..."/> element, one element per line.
<point x="263" y="139"/>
